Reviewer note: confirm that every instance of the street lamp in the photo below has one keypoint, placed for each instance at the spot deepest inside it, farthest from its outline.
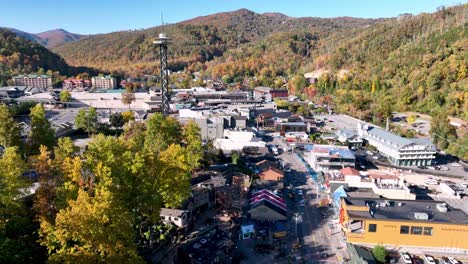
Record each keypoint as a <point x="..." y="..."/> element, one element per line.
<point x="296" y="216"/>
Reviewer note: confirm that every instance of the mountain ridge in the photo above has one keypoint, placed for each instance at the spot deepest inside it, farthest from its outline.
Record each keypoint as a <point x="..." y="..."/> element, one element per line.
<point x="50" y="38"/>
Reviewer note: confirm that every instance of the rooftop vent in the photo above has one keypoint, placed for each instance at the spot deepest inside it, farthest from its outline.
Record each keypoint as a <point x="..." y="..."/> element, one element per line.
<point x="421" y="216"/>
<point x="442" y="207"/>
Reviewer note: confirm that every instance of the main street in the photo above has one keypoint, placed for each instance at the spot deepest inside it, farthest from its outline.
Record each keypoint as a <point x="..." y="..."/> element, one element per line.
<point x="321" y="239"/>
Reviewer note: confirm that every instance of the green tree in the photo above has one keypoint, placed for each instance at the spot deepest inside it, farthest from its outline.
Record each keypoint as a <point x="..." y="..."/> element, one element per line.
<point x="65" y="96"/>
<point x="161" y="132"/>
<point x="116" y="120"/>
<point x="65" y="148"/>
<point x="9" y="129"/>
<point x="41" y="131"/>
<point x="17" y="239"/>
<point x="380" y="254"/>
<point x="192" y="136"/>
<point x="128" y="96"/>
<point x="235" y="157"/>
<point x="441" y="131"/>
<point x="87" y="120"/>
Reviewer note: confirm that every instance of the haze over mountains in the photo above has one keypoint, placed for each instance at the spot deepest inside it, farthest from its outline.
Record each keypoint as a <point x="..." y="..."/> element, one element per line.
<point x="50" y="38"/>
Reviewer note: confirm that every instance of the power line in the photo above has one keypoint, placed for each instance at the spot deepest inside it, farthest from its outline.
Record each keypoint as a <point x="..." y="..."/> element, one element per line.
<point x="434" y="134"/>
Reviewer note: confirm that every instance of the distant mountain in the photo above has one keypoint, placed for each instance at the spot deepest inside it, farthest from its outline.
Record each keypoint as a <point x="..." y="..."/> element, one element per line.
<point x="195" y="41"/>
<point x="19" y="54"/>
<point x="50" y="38"/>
<point x="415" y="62"/>
<point x="56" y="37"/>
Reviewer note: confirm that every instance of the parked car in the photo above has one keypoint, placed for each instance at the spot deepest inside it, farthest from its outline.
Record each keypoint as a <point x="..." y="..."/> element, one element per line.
<point x="431" y="181"/>
<point x="463" y="184"/>
<point x="431" y="167"/>
<point x="455" y="164"/>
<point x="444" y="260"/>
<point x="444" y="168"/>
<point x="429" y="259"/>
<point x="453" y="260"/>
<point x="417" y="260"/>
<point x="406" y="258"/>
<point x="370" y="153"/>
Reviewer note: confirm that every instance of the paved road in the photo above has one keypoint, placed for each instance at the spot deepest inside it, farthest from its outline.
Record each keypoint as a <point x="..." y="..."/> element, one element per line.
<point x="313" y="229"/>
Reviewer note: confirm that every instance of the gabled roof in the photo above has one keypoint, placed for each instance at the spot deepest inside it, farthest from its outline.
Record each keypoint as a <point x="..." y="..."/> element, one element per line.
<point x="270" y="205"/>
<point x="172" y="212"/>
<point x="266" y="193"/>
<point x="265" y="165"/>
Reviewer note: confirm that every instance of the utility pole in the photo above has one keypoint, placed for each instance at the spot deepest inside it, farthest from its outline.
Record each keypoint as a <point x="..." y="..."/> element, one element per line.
<point x="163" y="41"/>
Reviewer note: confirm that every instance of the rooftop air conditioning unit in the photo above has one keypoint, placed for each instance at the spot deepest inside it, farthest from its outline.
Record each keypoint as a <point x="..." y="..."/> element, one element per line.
<point x="442" y="207"/>
<point x="421" y="216"/>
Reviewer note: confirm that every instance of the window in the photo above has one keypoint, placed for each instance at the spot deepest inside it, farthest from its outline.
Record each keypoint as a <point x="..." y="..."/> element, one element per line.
<point x="428" y="231"/>
<point x="176" y="219"/>
<point x="163" y="217"/>
<point x="373" y="228"/>
<point x="404" y="229"/>
<point x="416" y="230"/>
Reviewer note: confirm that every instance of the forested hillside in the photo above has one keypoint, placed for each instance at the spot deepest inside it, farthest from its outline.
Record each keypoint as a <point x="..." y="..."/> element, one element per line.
<point x="195" y="41"/>
<point x="19" y="55"/>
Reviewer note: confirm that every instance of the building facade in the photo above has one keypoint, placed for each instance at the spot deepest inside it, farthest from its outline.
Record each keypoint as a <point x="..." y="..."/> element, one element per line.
<point x="399" y="151"/>
<point x="427" y="224"/>
<point x="33" y="80"/>
<point x="70" y="84"/>
<point x="325" y="157"/>
<point x="104" y="82"/>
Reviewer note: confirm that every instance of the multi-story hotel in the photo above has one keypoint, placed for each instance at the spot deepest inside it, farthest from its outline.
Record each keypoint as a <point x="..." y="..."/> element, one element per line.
<point x="104" y="82"/>
<point x="426" y="224"/>
<point x="33" y="80"/>
<point x="399" y="151"/>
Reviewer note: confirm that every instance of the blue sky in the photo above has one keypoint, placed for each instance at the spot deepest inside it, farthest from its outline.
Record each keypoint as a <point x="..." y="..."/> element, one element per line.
<point x="102" y="16"/>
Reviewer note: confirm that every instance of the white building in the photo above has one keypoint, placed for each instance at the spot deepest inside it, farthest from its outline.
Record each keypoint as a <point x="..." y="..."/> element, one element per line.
<point x="104" y="82"/>
<point x="326" y="157"/>
<point x="400" y="151"/>
<point x="174" y="216"/>
<point x="236" y="140"/>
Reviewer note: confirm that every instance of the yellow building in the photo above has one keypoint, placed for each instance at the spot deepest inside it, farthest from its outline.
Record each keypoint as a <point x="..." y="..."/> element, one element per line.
<point x="403" y="223"/>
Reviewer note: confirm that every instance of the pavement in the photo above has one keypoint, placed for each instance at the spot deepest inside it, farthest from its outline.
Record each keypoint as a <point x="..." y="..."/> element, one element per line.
<point x="316" y="229"/>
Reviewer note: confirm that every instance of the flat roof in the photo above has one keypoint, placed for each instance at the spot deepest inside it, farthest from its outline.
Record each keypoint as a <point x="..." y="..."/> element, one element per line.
<point x="406" y="211"/>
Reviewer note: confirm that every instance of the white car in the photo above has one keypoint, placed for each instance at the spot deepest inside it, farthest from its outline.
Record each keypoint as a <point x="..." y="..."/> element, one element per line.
<point x="444" y="168"/>
<point x="453" y="261"/>
<point x="429" y="259"/>
<point x="431" y="182"/>
<point x="455" y="164"/>
<point x="406" y="258"/>
<point x="463" y="184"/>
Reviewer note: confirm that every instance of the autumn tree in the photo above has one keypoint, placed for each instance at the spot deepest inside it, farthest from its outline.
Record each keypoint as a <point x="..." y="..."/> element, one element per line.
<point x="45" y="198"/>
<point x="9" y="129"/>
<point x="411" y="119"/>
<point x="41" y="131"/>
<point x="94" y="228"/>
